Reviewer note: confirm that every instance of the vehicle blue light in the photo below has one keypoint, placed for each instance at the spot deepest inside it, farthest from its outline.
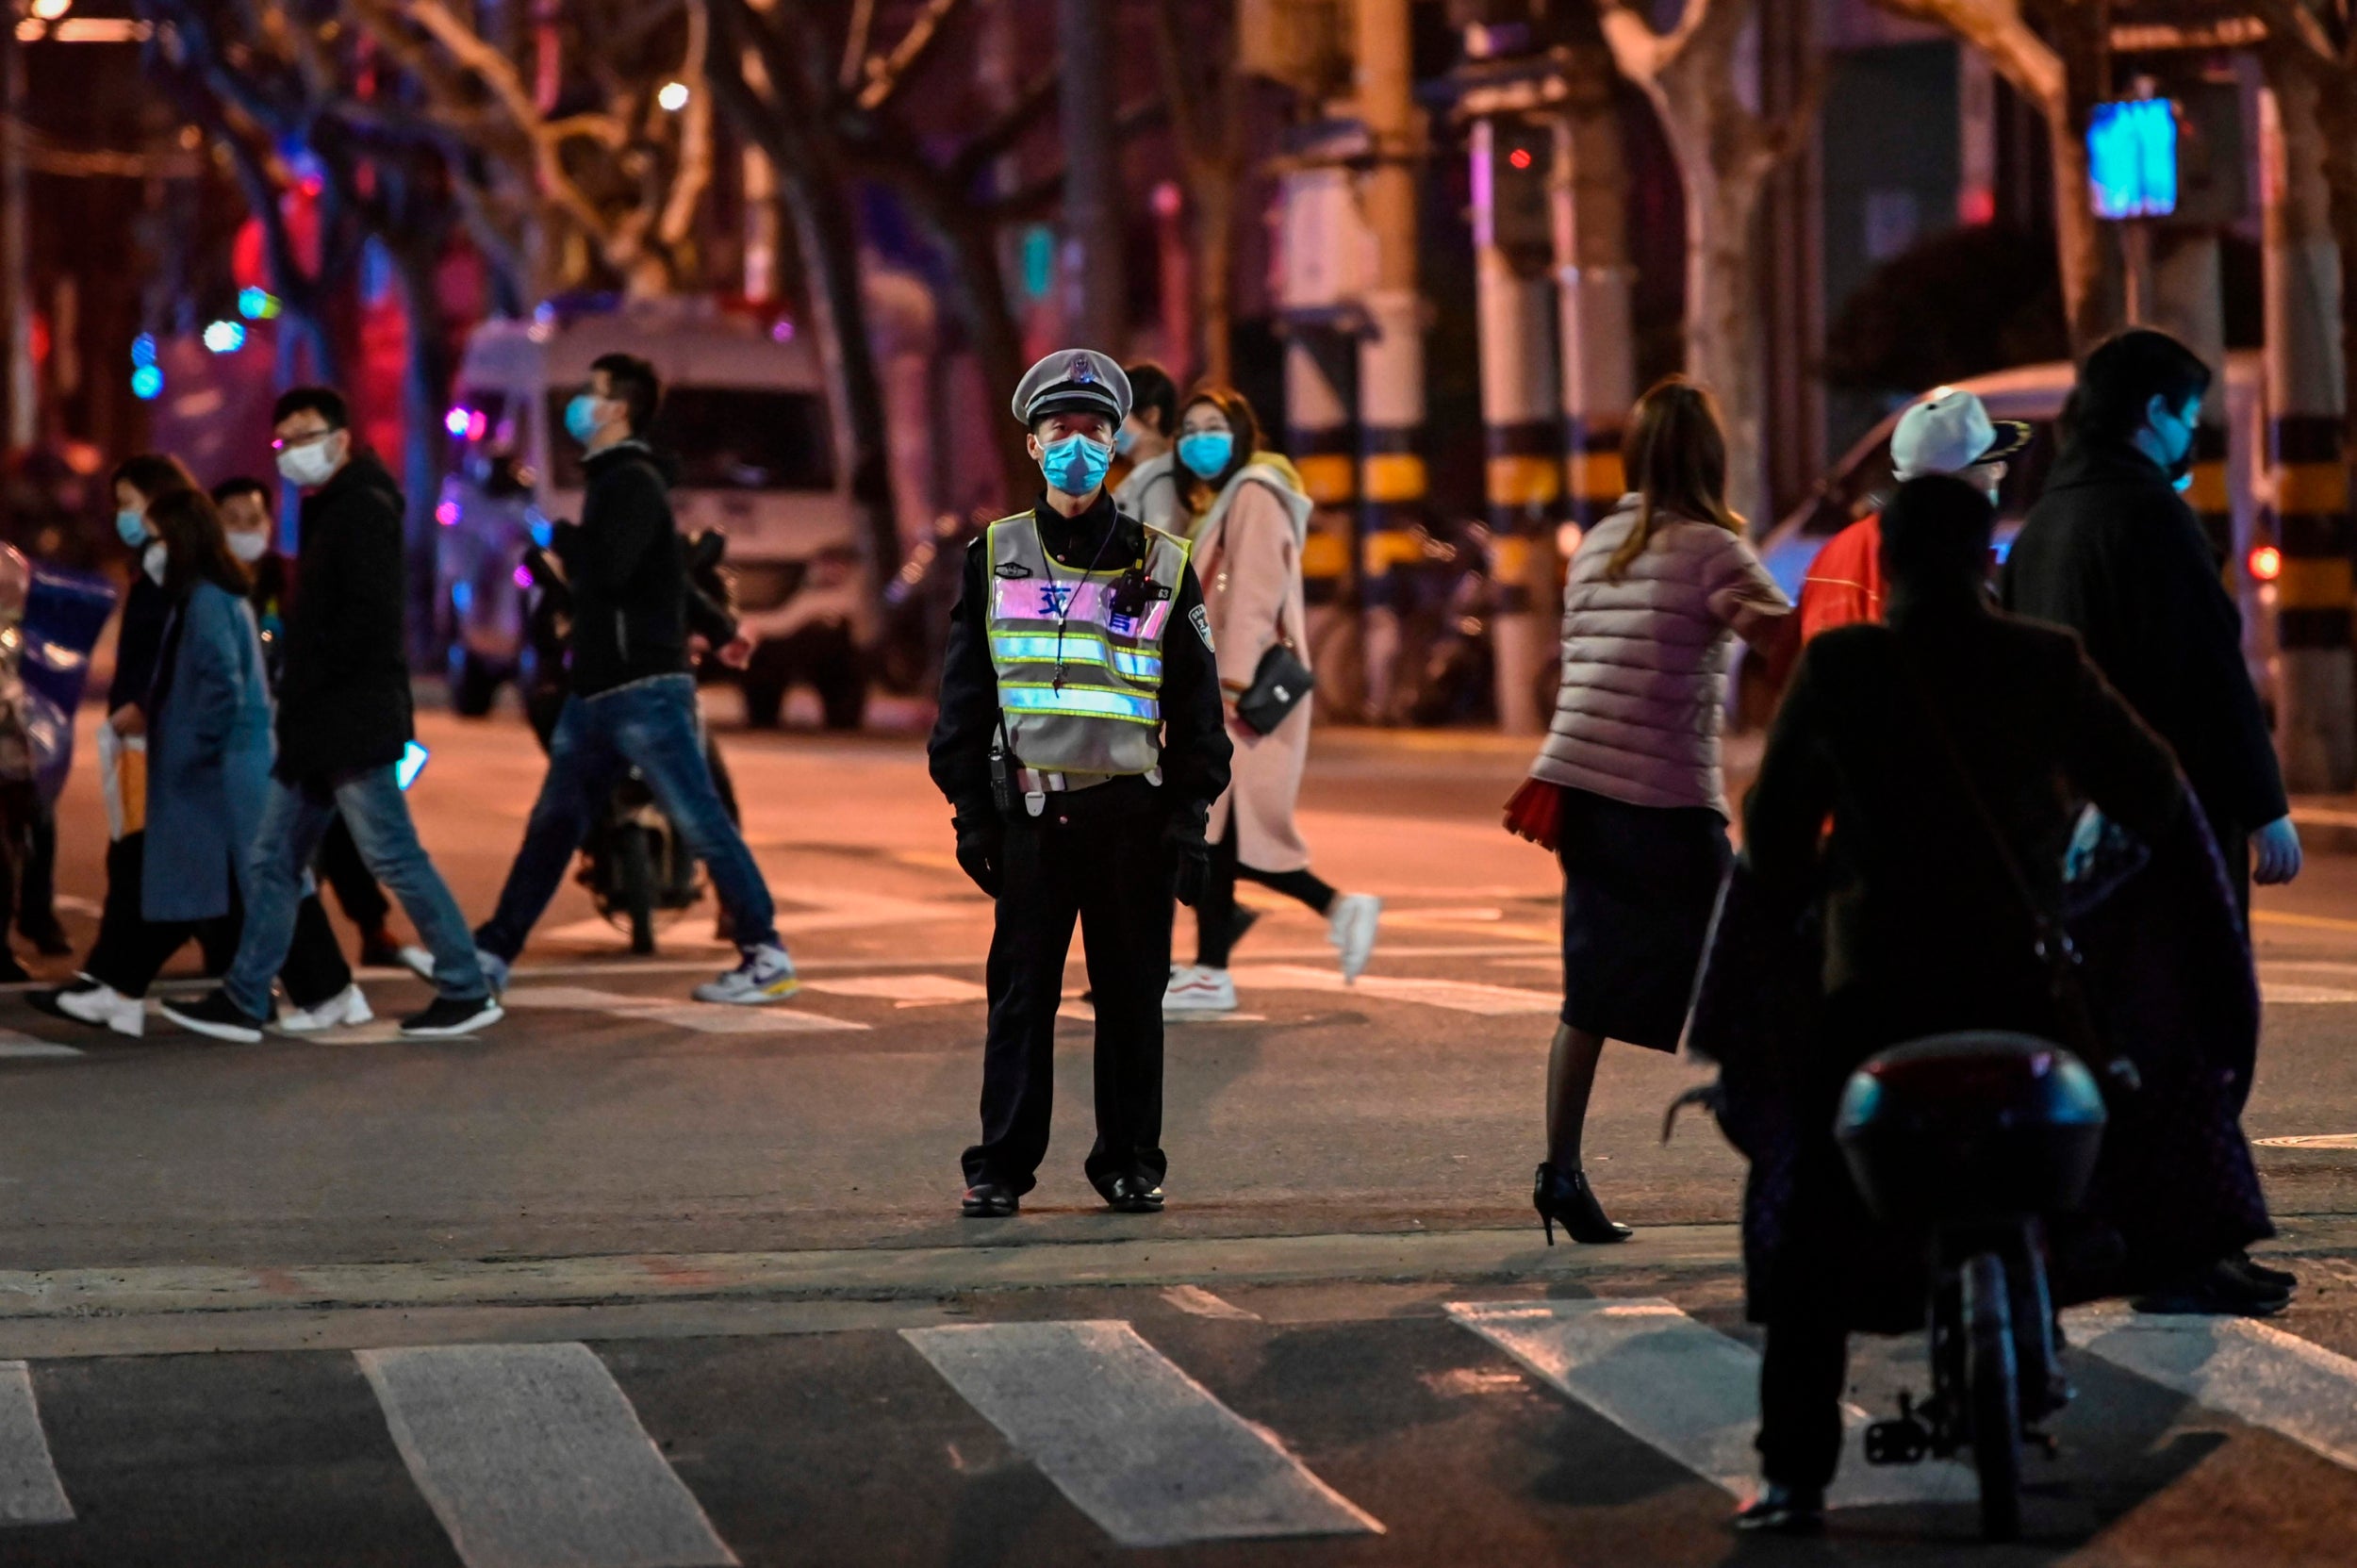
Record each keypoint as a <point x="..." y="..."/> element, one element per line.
<point x="2131" y="159"/>
<point x="256" y="304"/>
<point x="147" y="383"/>
<point x="462" y="596"/>
<point x="143" y="349"/>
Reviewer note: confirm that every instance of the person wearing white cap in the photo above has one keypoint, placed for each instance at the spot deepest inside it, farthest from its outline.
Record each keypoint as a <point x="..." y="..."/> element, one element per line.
<point x="1948" y="431"/>
<point x="1080" y="743"/>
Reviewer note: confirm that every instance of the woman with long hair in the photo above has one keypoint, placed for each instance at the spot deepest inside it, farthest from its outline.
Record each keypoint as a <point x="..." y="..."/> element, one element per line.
<point x="1626" y="789"/>
<point x="1250" y="519"/>
<point x="207" y="720"/>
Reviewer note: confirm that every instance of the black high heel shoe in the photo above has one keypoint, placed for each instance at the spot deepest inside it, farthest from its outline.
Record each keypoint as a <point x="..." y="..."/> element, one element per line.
<point x="1568" y="1200"/>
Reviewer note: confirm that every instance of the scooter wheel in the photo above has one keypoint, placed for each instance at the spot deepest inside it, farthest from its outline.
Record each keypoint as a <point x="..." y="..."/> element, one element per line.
<point x="1994" y="1395"/>
<point x="635" y="873"/>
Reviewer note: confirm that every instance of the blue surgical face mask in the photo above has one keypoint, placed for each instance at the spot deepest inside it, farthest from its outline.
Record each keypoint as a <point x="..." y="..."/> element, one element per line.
<point x="131" y="526"/>
<point x="1076" y="465"/>
<point x="1125" y="440"/>
<point x="580" y="417"/>
<point x="1205" y="453"/>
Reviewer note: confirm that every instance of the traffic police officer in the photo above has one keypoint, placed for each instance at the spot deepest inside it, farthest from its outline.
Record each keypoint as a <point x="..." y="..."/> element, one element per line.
<point x="1080" y="744"/>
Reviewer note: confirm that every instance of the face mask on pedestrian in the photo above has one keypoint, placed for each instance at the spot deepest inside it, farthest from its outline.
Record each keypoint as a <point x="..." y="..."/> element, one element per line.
<point x="1125" y="440"/>
<point x="584" y="417"/>
<point x="131" y="526"/>
<point x="248" y="544"/>
<point x="1077" y="463"/>
<point x="313" y="463"/>
<point x="1205" y="453"/>
<point x="153" y="560"/>
<point x="2180" y="465"/>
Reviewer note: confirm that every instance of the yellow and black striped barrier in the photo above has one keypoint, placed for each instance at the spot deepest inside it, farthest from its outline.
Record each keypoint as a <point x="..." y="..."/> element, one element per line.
<point x="1391" y="488"/>
<point x="2312" y="529"/>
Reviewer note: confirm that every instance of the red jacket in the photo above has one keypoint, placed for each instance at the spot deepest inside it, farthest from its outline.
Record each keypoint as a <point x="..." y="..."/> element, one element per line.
<point x="1844" y="583"/>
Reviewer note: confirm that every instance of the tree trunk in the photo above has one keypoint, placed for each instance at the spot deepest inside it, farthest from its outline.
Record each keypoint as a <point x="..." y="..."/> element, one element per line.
<point x="425" y="385"/>
<point x="2093" y="306"/>
<point x="2336" y="110"/>
<point x="827" y="234"/>
<point x="1215" y="200"/>
<point x="1722" y="327"/>
<point x="977" y="290"/>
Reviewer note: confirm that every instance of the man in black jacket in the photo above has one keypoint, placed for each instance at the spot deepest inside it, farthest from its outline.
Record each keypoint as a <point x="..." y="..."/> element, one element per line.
<point x="633" y="698"/>
<point x="343" y="724"/>
<point x="1080" y="743"/>
<point x="2113" y="552"/>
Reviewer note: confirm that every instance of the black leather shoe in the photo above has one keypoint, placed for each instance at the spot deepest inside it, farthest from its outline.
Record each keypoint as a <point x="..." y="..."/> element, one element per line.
<point x="2220" y="1290"/>
<point x="989" y="1200"/>
<point x="2251" y="1268"/>
<point x="1782" y="1510"/>
<point x="1134" y="1195"/>
<point x="1566" y="1199"/>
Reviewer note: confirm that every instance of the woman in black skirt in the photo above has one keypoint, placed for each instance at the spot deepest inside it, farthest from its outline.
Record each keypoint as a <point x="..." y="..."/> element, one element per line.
<point x="1626" y="790"/>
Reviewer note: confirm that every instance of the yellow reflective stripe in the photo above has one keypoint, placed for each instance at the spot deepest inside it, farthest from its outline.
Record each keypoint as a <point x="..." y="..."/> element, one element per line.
<point x="1079" y="701"/>
<point x="2309" y="584"/>
<point x="1079" y="648"/>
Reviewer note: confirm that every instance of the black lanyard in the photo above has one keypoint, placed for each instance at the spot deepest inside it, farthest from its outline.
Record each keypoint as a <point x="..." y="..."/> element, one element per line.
<point x="1065" y="609"/>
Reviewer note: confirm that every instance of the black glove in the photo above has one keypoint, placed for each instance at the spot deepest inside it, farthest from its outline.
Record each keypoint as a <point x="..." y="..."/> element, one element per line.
<point x="1190" y="858"/>
<point x="983" y="851"/>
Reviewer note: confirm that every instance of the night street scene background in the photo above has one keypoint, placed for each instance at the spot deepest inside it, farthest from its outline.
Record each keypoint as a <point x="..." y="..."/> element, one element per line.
<point x="613" y="614"/>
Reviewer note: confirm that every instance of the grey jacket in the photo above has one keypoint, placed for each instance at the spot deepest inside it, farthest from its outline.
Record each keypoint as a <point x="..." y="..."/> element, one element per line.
<point x="1645" y="661"/>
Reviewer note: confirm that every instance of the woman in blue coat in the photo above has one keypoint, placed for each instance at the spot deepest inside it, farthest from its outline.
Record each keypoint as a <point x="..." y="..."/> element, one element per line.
<point x="208" y="764"/>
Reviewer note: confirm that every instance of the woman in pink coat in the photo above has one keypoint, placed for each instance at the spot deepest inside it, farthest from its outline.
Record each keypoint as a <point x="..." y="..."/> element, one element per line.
<point x="1249" y="520"/>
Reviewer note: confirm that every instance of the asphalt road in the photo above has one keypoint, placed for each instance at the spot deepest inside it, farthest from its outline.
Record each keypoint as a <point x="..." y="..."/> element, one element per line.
<point x="200" y="1246"/>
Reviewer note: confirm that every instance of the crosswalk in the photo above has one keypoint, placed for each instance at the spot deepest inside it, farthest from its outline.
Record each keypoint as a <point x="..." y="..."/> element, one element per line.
<point x="900" y="990"/>
<point x="535" y="1455"/>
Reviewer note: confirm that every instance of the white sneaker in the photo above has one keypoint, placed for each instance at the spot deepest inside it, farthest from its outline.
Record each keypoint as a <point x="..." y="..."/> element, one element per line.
<point x="765" y="976"/>
<point x="1196" y="992"/>
<point x="105" y="1007"/>
<point x="347" y="1006"/>
<point x="1351" y="929"/>
<point x="418" y="960"/>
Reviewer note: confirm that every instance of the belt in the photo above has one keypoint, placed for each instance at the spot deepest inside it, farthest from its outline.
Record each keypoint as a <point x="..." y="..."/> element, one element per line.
<point x="1037" y="785"/>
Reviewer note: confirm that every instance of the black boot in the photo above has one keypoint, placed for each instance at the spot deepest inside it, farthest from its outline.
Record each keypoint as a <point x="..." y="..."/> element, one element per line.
<point x="1566" y="1199"/>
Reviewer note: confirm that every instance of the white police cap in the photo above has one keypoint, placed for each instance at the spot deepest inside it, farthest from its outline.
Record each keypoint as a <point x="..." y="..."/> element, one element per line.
<point x="1069" y="380"/>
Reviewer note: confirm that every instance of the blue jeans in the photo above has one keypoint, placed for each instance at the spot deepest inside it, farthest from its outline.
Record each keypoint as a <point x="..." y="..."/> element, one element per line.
<point x="295" y="819"/>
<point x="649" y="725"/>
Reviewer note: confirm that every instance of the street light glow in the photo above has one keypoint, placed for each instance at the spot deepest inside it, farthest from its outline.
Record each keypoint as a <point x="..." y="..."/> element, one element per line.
<point x="49" y="10"/>
<point x="673" y="97"/>
<point x="147" y="383"/>
<point x="2267" y="563"/>
<point x="224" y="337"/>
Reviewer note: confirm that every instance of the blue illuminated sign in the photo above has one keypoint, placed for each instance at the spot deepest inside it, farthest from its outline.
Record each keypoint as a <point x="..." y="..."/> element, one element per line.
<point x="2131" y="159"/>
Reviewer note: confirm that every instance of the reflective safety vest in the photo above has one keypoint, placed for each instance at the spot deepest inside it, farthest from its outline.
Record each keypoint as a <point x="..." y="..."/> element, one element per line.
<point x="1079" y="662"/>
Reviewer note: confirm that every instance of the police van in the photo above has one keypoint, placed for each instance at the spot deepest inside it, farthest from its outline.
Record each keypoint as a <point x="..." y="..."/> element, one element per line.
<point x="745" y="410"/>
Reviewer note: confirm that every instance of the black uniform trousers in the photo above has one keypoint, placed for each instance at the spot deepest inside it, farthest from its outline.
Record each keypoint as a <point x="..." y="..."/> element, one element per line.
<point x="1110" y="870"/>
<point x="132" y="950"/>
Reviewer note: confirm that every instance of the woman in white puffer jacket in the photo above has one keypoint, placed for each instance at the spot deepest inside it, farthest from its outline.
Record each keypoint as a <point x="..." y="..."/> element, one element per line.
<point x="1626" y="789"/>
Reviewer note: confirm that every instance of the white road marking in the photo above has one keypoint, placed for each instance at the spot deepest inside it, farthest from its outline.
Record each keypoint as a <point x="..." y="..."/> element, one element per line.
<point x="1687" y="1389"/>
<point x="902" y="990"/>
<point x="1199" y="1302"/>
<point x="1458" y="996"/>
<point x="2311" y="1139"/>
<point x="14" y="1044"/>
<point x="703" y="1017"/>
<point x="29" y="1490"/>
<point x="531" y="1457"/>
<point x="2279" y="994"/>
<point x="2251" y="1371"/>
<point x="1136" y="1444"/>
<point x="596" y="933"/>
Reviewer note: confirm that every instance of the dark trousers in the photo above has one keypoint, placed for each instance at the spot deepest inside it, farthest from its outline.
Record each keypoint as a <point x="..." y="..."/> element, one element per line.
<point x="1801" y="1372"/>
<point x="1113" y="875"/>
<point x="1215" y="929"/>
<point x="364" y="903"/>
<point x="132" y="950"/>
<point x="37" y="903"/>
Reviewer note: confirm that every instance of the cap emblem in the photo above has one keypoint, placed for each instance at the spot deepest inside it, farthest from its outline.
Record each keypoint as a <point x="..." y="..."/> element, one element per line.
<point x="1082" y="372"/>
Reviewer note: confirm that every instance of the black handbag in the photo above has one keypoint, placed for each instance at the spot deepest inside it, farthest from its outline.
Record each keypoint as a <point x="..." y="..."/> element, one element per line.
<point x="1278" y="688"/>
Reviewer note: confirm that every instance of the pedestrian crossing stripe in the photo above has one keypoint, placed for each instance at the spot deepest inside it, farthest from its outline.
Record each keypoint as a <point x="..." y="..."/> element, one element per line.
<point x="531" y="1457"/>
<point x="29" y="1490"/>
<point x="702" y="1017"/>
<point x="1684" y="1389"/>
<point x="2251" y="1371"/>
<point x="1456" y="995"/>
<point x="1134" y="1442"/>
<point x="14" y="1045"/>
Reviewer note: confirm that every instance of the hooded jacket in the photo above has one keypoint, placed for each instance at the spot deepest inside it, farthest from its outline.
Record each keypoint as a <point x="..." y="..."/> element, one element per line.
<point x="625" y="564"/>
<point x="343" y="699"/>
